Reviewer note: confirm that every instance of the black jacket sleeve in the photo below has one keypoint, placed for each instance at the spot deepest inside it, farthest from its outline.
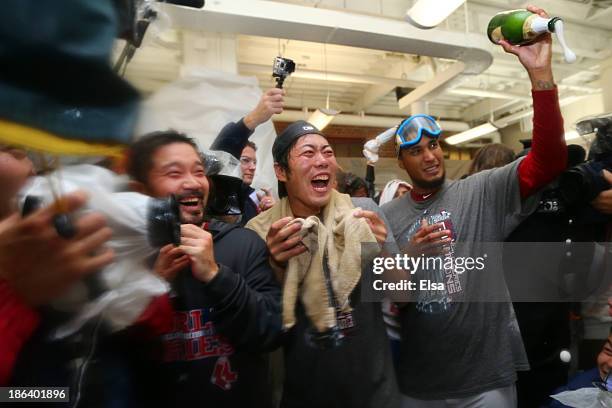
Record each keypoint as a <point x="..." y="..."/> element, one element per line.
<point x="246" y="297"/>
<point x="232" y="138"/>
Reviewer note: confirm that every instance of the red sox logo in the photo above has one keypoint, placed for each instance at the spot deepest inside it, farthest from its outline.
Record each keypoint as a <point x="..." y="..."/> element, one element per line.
<point x="223" y="376"/>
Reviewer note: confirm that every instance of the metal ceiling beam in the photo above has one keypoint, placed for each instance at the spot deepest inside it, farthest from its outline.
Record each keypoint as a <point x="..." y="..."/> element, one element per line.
<point x="376" y="92"/>
<point x="486" y="108"/>
<point x="373" y="94"/>
<point x="368" y="120"/>
<point x="482" y="93"/>
<point x="332" y="76"/>
<point x="430" y="89"/>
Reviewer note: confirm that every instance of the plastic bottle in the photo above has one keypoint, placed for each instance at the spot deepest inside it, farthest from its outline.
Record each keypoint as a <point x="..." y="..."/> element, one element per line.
<point x="521" y="26"/>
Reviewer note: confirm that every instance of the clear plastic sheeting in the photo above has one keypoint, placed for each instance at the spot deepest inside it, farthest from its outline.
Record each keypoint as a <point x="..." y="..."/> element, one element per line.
<point x="585" y="398"/>
<point x="220" y="163"/>
<point x="127" y="285"/>
<point x="371" y="147"/>
<point x="201" y="103"/>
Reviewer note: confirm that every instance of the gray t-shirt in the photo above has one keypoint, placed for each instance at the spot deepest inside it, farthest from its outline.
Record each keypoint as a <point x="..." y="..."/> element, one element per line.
<point x="466" y="345"/>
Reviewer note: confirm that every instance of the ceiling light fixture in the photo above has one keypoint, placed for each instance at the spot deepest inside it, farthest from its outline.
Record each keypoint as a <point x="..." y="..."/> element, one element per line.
<point x="471" y="134"/>
<point x="323" y="116"/>
<point x="428" y="14"/>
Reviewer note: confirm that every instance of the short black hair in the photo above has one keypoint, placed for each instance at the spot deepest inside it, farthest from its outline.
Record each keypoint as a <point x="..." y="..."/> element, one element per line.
<point x="283" y="162"/>
<point x="250" y="144"/>
<point x="285" y="142"/>
<point x="140" y="154"/>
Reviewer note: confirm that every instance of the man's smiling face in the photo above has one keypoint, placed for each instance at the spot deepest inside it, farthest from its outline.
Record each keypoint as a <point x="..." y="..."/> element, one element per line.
<point x="311" y="175"/>
<point x="177" y="168"/>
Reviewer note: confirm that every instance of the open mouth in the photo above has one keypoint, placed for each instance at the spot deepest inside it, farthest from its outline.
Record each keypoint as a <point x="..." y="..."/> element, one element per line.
<point x="432" y="170"/>
<point x="190" y="200"/>
<point x="320" y="183"/>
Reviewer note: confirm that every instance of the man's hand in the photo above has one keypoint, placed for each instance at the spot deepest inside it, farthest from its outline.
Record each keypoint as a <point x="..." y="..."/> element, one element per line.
<point x="267" y="200"/>
<point x="38" y="264"/>
<point x="535" y="57"/>
<point x="284" y="243"/>
<point x="271" y="103"/>
<point x="430" y="240"/>
<point x="170" y="261"/>
<point x="197" y="244"/>
<point x="377" y="225"/>
<point x="603" y="201"/>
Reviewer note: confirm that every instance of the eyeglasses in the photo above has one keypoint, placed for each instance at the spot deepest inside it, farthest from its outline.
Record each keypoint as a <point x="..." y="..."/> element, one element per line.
<point x="247" y="161"/>
<point x="410" y="131"/>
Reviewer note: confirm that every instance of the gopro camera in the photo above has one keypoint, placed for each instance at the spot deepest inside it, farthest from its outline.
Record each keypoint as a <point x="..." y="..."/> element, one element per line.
<point x="283" y="67"/>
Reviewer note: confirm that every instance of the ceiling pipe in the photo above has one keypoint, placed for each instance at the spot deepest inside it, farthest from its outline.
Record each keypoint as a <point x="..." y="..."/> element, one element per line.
<point x="332" y="76"/>
<point x="367" y="120"/>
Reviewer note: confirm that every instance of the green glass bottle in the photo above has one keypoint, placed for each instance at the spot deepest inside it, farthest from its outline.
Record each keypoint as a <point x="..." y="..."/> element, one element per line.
<point x="521" y="26"/>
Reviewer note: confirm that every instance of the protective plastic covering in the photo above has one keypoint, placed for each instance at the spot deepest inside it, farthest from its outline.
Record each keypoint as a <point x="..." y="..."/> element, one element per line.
<point x="220" y="163"/>
<point x="371" y="147"/>
<point x="201" y="103"/>
<point x="585" y="398"/>
<point x="127" y="285"/>
<point x="225" y="196"/>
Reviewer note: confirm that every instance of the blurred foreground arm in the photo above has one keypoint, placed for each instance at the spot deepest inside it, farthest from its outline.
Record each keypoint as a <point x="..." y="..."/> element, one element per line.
<point x="37" y="266"/>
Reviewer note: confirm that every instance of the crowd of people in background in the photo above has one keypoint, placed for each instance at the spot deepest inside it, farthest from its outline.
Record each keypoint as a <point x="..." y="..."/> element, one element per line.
<point x="266" y="303"/>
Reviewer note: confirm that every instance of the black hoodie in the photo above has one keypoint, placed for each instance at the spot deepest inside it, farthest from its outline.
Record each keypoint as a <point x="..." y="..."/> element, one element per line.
<point x="215" y="356"/>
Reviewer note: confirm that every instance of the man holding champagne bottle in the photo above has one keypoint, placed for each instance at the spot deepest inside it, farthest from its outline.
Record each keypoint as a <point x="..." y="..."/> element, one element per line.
<point x="466" y="352"/>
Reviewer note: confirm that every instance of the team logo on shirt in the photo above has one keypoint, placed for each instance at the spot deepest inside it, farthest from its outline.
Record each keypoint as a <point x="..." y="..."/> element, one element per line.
<point x="223" y="376"/>
<point x="438" y="301"/>
<point x="194" y="338"/>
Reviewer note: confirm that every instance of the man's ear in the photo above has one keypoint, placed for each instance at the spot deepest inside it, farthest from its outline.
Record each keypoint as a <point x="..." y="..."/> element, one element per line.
<point x="137" y="187"/>
<point x="281" y="174"/>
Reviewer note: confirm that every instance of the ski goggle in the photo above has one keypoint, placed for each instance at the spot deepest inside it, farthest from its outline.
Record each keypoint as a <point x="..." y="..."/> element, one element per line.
<point x="410" y="131"/>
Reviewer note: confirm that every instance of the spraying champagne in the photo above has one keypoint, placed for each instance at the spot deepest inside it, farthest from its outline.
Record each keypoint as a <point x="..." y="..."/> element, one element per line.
<point x="521" y="26"/>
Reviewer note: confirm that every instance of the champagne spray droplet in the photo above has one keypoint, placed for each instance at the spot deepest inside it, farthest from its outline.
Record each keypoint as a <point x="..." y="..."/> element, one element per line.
<point x="569" y="55"/>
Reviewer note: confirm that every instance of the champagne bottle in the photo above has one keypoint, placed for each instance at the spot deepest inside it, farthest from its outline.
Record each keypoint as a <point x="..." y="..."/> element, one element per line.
<point x="520" y="27"/>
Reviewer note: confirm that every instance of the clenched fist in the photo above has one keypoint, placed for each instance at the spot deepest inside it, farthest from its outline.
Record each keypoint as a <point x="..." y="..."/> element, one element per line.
<point x="197" y="244"/>
<point x="271" y="103"/>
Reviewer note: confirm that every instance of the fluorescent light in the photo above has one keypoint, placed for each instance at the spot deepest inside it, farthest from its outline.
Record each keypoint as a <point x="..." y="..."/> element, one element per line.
<point x="571" y="135"/>
<point x="473" y="133"/>
<point x="322" y="117"/>
<point x="429" y="13"/>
